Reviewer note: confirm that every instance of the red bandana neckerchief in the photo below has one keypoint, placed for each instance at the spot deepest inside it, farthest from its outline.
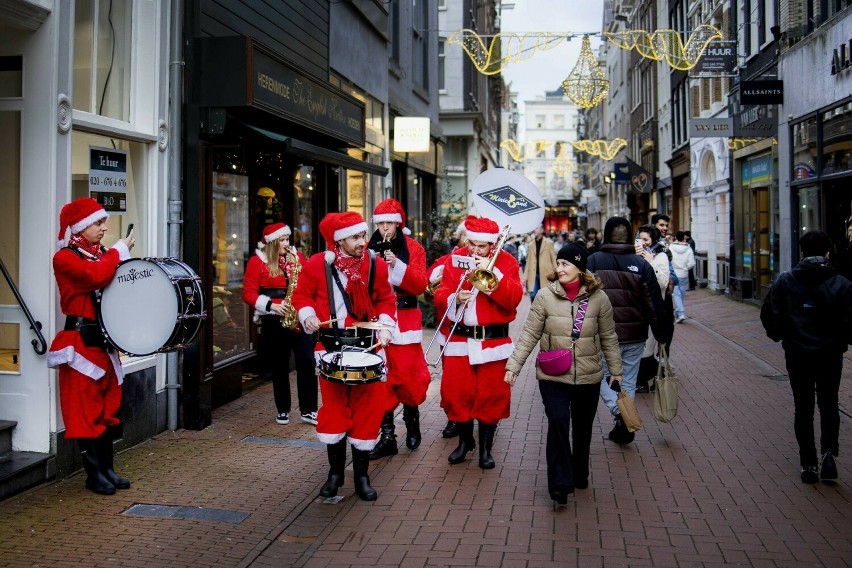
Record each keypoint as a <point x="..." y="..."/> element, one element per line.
<point x="80" y="242"/>
<point x="359" y="296"/>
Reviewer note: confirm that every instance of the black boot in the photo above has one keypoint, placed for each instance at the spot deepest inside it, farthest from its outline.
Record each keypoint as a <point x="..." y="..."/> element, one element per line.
<point x="486" y="440"/>
<point x="95" y="480"/>
<point x="337" y="464"/>
<point x="411" y="415"/>
<point x="386" y="446"/>
<point x="451" y="430"/>
<point x="466" y="442"/>
<point x="361" y="463"/>
<point x="106" y="453"/>
<point x="620" y="434"/>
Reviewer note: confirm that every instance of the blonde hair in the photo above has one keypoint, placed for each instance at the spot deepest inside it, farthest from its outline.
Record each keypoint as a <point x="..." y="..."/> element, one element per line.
<point x="272" y="250"/>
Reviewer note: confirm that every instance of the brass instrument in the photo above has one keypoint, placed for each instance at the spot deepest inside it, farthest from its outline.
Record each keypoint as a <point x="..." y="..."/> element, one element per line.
<point x="384" y="246"/>
<point x="430" y="289"/>
<point x="290" y="319"/>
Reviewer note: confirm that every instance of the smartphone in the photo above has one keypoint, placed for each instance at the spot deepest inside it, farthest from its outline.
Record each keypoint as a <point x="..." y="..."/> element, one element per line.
<point x="129" y="228"/>
<point x="638" y="243"/>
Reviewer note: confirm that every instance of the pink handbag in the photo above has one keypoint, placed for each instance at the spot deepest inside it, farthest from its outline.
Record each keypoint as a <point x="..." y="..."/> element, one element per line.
<point x="558" y="362"/>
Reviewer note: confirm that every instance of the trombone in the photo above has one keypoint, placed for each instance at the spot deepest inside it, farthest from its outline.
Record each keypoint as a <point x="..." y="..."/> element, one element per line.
<point x="484" y="280"/>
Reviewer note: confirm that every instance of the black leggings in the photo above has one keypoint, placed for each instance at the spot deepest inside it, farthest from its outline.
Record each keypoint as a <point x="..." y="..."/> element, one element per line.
<point x="815" y="372"/>
<point x="275" y="344"/>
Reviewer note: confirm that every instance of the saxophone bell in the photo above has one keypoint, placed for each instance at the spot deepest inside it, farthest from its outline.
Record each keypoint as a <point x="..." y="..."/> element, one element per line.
<point x="290" y="319"/>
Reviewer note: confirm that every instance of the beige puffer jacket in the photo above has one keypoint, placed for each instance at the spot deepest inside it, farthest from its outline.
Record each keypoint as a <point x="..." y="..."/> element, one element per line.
<point x="550" y="322"/>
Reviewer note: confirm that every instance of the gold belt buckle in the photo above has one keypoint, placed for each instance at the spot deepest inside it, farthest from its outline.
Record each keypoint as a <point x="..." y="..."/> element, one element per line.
<point x="479" y="339"/>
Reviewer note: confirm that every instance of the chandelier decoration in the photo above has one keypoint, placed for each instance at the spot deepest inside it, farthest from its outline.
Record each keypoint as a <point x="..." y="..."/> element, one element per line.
<point x="491" y="60"/>
<point x="586" y="86"/>
<point x="667" y="44"/>
<point x="601" y="148"/>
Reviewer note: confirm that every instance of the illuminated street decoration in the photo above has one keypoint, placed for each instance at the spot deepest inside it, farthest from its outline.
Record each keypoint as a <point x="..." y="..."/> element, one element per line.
<point x="491" y="60"/>
<point x="667" y="44"/>
<point x="514" y="150"/>
<point x="601" y="148"/>
<point x="586" y="86"/>
<point x="739" y="143"/>
<point x="563" y="165"/>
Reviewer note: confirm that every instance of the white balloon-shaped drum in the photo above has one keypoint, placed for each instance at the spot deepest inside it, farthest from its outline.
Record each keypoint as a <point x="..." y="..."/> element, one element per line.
<point x="152" y="305"/>
<point x="508" y="198"/>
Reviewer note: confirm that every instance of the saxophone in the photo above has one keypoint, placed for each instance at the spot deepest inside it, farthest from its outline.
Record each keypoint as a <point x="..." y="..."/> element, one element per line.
<point x="290" y="319"/>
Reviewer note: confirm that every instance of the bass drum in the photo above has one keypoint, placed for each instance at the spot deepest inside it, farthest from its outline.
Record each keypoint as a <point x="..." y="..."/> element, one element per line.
<point x="152" y="305"/>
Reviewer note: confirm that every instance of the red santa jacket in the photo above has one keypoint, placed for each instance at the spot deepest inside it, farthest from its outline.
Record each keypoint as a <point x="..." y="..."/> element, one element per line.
<point x="497" y="307"/>
<point x="257" y="278"/>
<point x="310" y="298"/>
<point x="409" y="280"/>
<point x="77" y="277"/>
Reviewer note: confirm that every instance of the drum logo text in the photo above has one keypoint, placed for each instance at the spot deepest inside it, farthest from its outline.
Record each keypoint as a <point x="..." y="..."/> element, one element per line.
<point x="133" y="275"/>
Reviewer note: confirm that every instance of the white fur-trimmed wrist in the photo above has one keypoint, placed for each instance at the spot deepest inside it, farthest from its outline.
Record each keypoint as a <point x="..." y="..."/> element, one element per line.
<point x="397" y="272"/>
<point x="123" y="251"/>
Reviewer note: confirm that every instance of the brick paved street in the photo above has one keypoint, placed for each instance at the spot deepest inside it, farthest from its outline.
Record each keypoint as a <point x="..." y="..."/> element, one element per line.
<point x="719" y="486"/>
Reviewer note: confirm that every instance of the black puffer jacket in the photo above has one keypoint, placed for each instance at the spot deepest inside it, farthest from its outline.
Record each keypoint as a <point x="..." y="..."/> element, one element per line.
<point x="809" y="308"/>
<point x="631" y="285"/>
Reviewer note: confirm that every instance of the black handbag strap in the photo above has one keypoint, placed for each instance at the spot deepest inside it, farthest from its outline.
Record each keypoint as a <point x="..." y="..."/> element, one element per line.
<point x="578" y="322"/>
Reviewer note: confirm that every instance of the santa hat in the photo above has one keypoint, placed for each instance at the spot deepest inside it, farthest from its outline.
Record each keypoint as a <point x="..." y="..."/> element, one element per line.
<point x="338" y="226"/>
<point x="76" y="216"/>
<point x="389" y="210"/>
<point x="481" y="229"/>
<point x="274" y="232"/>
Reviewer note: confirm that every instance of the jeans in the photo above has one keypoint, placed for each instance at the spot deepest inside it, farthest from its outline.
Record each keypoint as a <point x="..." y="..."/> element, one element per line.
<point x="679" y="291"/>
<point x="631" y="355"/>
<point x="818" y="371"/>
<point x="536" y="288"/>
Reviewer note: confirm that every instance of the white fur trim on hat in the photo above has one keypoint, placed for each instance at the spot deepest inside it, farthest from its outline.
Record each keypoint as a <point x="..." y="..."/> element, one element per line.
<point x="389" y="217"/>
<point x="482" y="237"/>
<point x="406" y="231"/>
<point x="349" y="231"/>
<point x="81" y="225"/>
<point x="285" y="230"/>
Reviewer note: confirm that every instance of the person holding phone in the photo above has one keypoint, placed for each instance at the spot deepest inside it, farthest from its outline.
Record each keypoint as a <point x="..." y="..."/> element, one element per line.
<point x="90" y="373"/>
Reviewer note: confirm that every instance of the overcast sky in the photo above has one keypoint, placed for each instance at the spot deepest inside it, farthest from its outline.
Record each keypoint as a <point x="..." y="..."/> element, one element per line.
<point x="546" y="70"/>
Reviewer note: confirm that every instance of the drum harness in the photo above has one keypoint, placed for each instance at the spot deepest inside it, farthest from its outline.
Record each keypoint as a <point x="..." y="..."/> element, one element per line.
<point x="336" y="333"/>
<point x="90" y="330"/>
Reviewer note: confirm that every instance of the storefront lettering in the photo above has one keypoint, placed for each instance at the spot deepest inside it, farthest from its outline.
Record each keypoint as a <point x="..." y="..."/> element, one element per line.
<point x="710" y="127"/>
<point x="841" y="58"/>
<point x="303" y="96"/>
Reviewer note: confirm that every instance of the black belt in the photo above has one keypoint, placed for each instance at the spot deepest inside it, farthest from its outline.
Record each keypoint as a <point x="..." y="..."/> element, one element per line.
<point x="406" y="302"/>
<point x="89" y="329"/>
<point x="479" y="332"/>
<point x="73" y="323"/>
<point x="277" y="293"/>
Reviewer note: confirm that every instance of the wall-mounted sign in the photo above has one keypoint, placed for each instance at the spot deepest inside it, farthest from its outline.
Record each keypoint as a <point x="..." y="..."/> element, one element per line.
<point x="755" y="122"/>
<point x="719" y="57"/>
<point x="108" y="178"/>
<point x="711" y="127"/>
<point x="841" y="58"/>
<point x="762" y="92"/>
<point x="411" y="134"/>
<point x="758" y="171"/>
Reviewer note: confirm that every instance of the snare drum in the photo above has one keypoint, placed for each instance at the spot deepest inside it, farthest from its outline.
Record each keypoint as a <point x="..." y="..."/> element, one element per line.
<point x="152" y="305"/>
<point x="352" y="367"/>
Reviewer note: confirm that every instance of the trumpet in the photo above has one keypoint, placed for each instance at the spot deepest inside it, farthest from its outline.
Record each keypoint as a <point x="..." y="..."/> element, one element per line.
<point x="384" y="246"/>
<point x="483" y="279"/>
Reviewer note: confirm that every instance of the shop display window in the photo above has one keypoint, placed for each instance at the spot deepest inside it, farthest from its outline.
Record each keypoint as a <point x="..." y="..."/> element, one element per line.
<point x="804" y="149"/>
<point x="837" y="140"/>
<point x="10" y="190"/>
<point x="231" y="250"/>
<point x="809" y="211"/>
<point x="303" y="199"/>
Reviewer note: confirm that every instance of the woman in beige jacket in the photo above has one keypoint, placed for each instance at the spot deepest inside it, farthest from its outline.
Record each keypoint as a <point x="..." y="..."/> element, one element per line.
<point x="570" y="399"/>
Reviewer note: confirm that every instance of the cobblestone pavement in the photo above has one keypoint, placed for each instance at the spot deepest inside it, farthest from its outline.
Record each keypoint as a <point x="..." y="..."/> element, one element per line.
<point x="718" y="486"/>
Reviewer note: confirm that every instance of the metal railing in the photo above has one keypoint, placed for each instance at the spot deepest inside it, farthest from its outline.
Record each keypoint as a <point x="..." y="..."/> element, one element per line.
<point x="39" y="344"/>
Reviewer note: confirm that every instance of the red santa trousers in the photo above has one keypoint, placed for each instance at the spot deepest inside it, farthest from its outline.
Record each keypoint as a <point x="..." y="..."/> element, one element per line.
<point x="355" y="411"/>
<point x="88" y="406"/>
<point x="408" y="376"/>
<point x="475" y="391"/>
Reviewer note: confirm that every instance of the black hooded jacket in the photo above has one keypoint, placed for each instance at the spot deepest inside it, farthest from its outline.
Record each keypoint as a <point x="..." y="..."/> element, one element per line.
<point x="809" y="308"/>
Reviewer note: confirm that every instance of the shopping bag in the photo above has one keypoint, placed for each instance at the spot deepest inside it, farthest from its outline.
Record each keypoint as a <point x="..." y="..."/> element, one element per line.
<point x="665" y="393"/>
<point x="628" y="411"/>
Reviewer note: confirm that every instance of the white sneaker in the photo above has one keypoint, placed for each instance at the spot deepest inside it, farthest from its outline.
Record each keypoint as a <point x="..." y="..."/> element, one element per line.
<point x="309" y="417"/>
<point x="283" y="418"/>
<point x="680" y="319"/>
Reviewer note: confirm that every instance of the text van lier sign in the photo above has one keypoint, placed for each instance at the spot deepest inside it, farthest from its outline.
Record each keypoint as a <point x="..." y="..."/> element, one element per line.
<point x="762" y="92"/>
<point x="711" y="127"/>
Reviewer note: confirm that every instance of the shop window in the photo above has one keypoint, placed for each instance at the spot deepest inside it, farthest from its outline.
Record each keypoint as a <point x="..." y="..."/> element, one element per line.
<point x="102" y="48"/>
<point x="11" y="67"/>
<point x="10" y="176"/>
<point x="303" y="199"/>
<point x="837" y="140"/>
<point x="809" y="213"/>
<point x="804" y="149"/>
<point x="231" y="250"/>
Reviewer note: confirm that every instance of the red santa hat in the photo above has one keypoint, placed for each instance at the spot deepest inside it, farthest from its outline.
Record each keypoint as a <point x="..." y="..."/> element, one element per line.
<point x="76" y="216"/>
<point x="389" y="210"/>
<point x="275" y="231"/>
<point x="481" y="229"/>
<point x="338" y="226"/>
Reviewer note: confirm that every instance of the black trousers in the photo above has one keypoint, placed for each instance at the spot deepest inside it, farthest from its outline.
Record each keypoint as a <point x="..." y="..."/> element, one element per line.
<point x="275" y="344"/>
<point x="815" y="372"/>
<point x="567" y="407"/>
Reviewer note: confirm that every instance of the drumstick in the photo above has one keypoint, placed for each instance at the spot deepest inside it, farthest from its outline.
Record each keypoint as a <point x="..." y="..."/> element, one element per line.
<point x="327" y="322"/>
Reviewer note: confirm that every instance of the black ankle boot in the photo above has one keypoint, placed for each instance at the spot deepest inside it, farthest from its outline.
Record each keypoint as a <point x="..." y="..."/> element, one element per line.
<point x="386" y="446"/>
<point x="620" y="434"/>
<point x="486" y="440"/>
<point x="451" y="430"/>
<point x="337" y="465"/>
<point x="106" y="454"/>
<point x="466" y="442"/>
<point x="360" y="464"/>
<point x="411" y="416"/>
<point x="95" y="480"/>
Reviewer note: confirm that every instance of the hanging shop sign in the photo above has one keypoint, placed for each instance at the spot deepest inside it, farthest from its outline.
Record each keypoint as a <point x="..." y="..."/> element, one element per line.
<point x="755" y="122"/>
<point x="411" y="134"/>
<point x="711" y="127"/>
<point x="766" y="92"/>
<point x="719" y="57"/>
<point x="108" y="178"/>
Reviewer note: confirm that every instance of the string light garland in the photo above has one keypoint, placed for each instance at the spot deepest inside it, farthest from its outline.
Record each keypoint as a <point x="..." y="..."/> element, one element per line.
<point x="667" y="44"/>
<point x="601" y="148"/>
<point x="739" y="143"/>
<point x="586" y="86"/>
<point x="563" y="166"/>
<point x="491" y="60"/>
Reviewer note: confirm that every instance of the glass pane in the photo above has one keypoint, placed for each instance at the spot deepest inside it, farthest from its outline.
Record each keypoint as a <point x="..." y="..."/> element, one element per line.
<point x="804" y="149"/>
<point x="81" y="98"/>
<point x="230" y="255"/>
<point x="808" y="209"/>
<point x="837" y="140"/>
<point x="113" y="47"/>
<point x="10" y="76"/>
<point x="10" y="361"/>
<point x="303" y="186"/>
<point x="10" y="181"/>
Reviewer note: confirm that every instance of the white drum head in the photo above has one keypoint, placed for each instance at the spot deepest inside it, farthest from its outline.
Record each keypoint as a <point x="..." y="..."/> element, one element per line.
<point x="508" y="198"/>
<point x="353" y="359"/>
<point x="139" y="308"/>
